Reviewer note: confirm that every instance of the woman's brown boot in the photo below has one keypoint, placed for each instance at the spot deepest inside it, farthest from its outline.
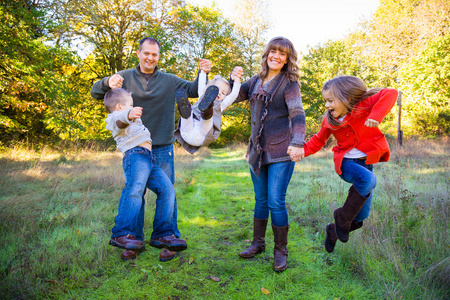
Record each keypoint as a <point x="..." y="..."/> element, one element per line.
<point x="344" y="215"/>
<point x="280" y="251"/>
<point x="258" y="245"/>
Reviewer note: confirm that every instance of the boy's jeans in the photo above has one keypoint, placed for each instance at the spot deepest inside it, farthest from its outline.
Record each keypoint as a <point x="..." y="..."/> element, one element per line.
<point x="164" y="158"/>
<point x="356" y="171"/>
<point x="270" y="191"/>
<point x="140" y="172"/>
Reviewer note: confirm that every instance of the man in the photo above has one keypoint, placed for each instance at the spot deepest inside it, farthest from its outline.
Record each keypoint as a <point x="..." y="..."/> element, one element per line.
<point x="154" y="91"/>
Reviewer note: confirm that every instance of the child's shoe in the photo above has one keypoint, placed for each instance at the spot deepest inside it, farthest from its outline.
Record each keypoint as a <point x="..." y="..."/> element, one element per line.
<point x="167" y="255"/>
<point x="207" y="102"/>
<point x="128" y="254"/>
<point x="183" y="104"/>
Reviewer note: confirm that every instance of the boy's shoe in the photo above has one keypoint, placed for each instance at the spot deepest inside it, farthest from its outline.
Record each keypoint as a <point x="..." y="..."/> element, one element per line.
<point x="207" y="102"/>
<point x="128" y="254"/>
<point x="183" y="104"/>
<point x="128" y="242"/>
<point x="167" y="255"/>
<point x="169" y="242"/>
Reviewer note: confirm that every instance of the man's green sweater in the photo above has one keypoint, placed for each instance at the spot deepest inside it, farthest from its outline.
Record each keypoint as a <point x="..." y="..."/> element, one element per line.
<point x="157" y="98"/>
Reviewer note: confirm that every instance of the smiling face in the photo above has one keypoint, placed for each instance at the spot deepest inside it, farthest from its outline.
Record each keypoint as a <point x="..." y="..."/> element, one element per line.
<point x="148" y="55"/>
<point x="276" y="60"/>
<point x="334" y="106"/>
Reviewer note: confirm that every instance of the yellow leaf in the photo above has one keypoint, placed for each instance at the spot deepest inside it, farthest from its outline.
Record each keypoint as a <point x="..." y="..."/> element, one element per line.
<point x="265" y="291"/>
<point x="191" y="260"/>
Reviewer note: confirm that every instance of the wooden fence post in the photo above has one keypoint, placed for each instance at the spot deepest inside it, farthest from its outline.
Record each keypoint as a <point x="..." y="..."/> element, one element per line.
<point x="399" y="130"/>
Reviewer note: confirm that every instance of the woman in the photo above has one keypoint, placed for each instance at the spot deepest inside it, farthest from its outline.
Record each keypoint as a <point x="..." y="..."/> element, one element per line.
<point x="277" y="138"/>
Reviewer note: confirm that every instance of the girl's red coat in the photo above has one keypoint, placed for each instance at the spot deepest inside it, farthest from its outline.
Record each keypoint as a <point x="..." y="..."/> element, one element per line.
<point x="354" y="134"/>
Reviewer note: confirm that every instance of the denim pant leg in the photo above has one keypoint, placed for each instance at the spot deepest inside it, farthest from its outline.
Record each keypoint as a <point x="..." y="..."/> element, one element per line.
<point x="361" y="175"/>
<point x="270" y="191"/>
<point x="164" y="158"/>
<point x="137" y="168"/>
<point x="160" y="184"/>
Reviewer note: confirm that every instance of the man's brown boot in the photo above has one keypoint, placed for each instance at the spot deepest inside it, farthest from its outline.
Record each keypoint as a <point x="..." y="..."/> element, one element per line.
<point x="258" y="244"/>
<point x="280" y="251"/>
<point x="344" y="215"/>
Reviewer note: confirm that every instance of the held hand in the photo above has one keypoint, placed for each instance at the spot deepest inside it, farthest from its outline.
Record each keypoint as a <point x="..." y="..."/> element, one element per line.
<point x="371" y="123"/>
<point x="115" y="81"/>
<point x="296" y="153"/>
<point x="237" y="73"/>
<point x="205" y="65"/>
<point x="135" y="112"/>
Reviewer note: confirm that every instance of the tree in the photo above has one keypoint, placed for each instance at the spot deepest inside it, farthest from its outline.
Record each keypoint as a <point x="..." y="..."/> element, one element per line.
<point x="29" y="70"/>
<point x="425" y="84"/>
<point x="251" y="25"/>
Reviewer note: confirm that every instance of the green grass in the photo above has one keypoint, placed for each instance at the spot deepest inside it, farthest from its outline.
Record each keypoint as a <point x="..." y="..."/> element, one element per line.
<point x="57" y="209"/>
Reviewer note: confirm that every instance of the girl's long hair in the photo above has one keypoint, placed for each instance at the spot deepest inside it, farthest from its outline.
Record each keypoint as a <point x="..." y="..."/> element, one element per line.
<point x="284" y="45"/>
<point x="349" y="90"/>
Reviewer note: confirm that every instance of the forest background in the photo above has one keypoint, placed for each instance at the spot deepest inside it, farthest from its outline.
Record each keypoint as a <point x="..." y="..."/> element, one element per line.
<point x="46" y="78"/>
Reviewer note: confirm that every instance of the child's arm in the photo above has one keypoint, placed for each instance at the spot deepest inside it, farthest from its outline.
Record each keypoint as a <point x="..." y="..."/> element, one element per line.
<point x="201" y="83"/>
<point x="233" y="95"/>
<point x="130" y="115"/>
<point x="318" y="140"/>
<point x="382" y="104"/>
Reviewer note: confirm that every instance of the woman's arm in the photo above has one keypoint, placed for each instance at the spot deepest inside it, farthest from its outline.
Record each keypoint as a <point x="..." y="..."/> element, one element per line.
<point x="293" y="101"/>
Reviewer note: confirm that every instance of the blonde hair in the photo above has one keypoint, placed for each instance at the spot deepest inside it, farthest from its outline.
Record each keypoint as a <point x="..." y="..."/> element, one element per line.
<point x="348" y="90"/>
<point x="284" y="45"/>
<point x="218" y="80"/>
<point x="114" y="96"/>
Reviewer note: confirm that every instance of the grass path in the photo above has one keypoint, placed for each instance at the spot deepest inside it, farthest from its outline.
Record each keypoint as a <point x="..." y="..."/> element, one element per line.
<point x="215" y="217"/>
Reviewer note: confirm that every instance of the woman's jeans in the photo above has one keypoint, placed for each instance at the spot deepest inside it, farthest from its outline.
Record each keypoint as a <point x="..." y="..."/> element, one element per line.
<point x="270" y="191"/>
<point x="164" y="158"/>
<point x="356" y="171"/>
<point x="140" y="172"/>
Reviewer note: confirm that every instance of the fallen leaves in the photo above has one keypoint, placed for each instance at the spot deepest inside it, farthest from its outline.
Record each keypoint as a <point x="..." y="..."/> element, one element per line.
<point x="265" y="291"/>
<point x="217" y="279"/>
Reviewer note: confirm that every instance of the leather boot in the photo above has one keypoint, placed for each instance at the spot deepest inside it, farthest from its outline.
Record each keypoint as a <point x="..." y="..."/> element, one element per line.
<point x="206" y="105"/>
<point x="258" y="244"/>
<point x="331" y="236"/>
<point x="344" y="215"/>
<point x="280" y="251"/>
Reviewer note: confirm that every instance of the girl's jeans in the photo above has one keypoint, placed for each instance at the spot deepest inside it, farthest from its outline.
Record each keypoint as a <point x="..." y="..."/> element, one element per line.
<point x="140" y="172"/>
<point x="361" y="175"/>
<point x="270" y="191"/>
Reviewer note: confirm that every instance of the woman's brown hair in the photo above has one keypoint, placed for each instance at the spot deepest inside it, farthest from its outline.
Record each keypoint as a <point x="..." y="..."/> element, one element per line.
<point x="284" y="45"/>
<point x="349" y="90"/>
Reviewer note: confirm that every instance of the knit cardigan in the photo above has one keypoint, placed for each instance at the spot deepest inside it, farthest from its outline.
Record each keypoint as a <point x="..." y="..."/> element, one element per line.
<point x="277" y="119"/>
<point x="157" y="98"/>
<point x="352" y="133"/>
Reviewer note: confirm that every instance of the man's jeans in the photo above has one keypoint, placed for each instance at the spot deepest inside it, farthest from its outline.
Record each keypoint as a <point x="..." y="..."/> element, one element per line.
<point x="140" y="172"/>
<point x="164" y="158"/>
<point x="270" y="191"/>
<point x="356" y="171"/>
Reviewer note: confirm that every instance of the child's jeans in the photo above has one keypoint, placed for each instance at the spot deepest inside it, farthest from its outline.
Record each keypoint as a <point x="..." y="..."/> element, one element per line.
<point x="270" y="187"/>
<point x="140" y="172"/>
<point x="361" y="175"/>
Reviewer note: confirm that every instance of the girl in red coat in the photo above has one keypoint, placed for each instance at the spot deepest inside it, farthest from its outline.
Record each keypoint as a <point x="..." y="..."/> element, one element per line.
<point x="353" y="115"/>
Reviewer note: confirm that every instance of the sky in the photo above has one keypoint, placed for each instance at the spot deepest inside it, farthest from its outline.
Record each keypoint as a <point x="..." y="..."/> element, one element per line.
<point x="309" y="22"/>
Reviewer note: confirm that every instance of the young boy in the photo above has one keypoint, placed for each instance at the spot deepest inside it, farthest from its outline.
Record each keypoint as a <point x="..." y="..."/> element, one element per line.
<point x="134" y="141"/>
<point x="200" y="125"/>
